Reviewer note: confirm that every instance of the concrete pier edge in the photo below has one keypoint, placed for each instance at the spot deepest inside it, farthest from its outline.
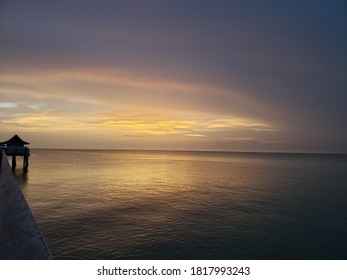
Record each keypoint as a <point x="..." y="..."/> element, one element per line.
<point x="20" y="236"/>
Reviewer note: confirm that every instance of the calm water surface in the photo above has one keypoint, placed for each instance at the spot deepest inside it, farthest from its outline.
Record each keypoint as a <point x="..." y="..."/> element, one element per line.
<point x="188" y="205"/>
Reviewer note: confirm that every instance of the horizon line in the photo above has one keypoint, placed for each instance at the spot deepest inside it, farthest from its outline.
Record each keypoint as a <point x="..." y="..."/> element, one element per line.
<point x="207" y="151"/>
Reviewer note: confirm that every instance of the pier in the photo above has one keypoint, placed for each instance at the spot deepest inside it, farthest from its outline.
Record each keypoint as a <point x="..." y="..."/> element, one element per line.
<point x="20" y="236"/>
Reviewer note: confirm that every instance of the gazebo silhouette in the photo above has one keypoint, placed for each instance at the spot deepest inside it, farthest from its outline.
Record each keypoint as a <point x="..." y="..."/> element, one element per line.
<point x="16" y="147"/>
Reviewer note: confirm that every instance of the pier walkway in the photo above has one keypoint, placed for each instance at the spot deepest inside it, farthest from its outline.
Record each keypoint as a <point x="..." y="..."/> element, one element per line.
<point x="20" y="236"/>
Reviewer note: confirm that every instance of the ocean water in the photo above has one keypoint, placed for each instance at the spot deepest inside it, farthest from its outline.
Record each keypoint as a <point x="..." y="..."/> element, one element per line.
<point x="188" y="205"/>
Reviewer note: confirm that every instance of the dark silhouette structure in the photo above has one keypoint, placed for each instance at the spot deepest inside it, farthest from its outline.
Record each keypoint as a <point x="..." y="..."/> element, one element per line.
<point x="16" y="147"/>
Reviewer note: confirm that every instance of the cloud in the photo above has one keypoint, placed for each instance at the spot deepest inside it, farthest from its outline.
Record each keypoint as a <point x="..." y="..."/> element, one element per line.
<point x="179" y="127"/>
<point x="130" y="89"/>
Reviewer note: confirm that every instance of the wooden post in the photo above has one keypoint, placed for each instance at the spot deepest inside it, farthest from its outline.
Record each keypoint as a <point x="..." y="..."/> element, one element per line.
<point x="25" y="163"/>
<point x="26" y="155"/>
<point x="14" y="163"/>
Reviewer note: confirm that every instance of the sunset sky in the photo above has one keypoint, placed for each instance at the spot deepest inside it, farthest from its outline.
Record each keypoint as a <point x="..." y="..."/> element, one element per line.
<point x="187" y="75"/>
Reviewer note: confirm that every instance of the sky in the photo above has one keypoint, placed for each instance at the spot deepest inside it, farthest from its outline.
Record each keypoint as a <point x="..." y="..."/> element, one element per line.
<point x="179" y="75"/>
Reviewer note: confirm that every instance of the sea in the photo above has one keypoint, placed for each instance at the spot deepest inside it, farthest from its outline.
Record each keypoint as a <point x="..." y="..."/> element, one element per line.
<point x="146" y="205"/>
